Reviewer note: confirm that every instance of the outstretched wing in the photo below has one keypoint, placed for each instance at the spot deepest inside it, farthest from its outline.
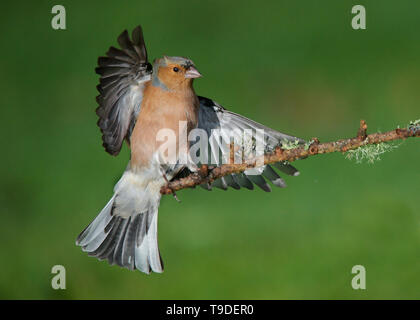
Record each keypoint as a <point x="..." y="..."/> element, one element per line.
<point x="123" y="75"/>
<point x="213" y="116"/>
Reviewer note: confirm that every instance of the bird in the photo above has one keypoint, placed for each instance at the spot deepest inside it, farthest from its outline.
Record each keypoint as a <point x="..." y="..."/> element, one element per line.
<point x="136" y="101"/>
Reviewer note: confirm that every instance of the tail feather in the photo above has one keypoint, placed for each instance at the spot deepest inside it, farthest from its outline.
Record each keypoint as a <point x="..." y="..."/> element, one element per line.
<point x="127" y="254"/>
<point x="155" y="260"/>
<point x="141" y="251"/>
<point x="118" y="254"/>
<point x="129" y="241"/>
<point x="95" y="228"/>
<point x="113" y="237"/>
<point x="107" y="246"/>
<point x="147" y="255"/>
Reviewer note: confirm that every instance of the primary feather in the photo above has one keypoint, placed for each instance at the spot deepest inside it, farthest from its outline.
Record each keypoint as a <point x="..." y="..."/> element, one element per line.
<point x="213" y="116"/>
<point x="123" y="75"/>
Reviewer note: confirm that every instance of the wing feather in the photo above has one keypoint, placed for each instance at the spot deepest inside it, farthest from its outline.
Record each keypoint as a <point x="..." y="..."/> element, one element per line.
<point x="123" y="74"/>
<point x="213" y="116"/>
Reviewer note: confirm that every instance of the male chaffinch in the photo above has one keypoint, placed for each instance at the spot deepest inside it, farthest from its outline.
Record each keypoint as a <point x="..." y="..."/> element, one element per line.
<point x="136" y="101"/>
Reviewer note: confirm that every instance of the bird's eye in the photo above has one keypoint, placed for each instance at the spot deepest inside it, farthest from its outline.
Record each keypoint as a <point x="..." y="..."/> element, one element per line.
<point x="176" y="69"/>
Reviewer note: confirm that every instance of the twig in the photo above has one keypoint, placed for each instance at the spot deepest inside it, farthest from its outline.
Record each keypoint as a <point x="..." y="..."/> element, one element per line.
<point x="205" y="175"/>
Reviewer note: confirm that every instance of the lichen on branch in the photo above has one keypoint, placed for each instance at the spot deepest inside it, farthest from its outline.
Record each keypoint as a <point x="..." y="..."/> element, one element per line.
<point x="368" y="146"/>
<point x="370" y="153"/>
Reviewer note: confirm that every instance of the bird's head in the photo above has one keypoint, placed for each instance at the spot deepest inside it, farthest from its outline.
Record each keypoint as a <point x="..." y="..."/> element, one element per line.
<point x="174" y="73"/>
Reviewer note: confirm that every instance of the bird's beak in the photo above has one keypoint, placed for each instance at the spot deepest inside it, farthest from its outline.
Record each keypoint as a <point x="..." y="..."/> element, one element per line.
<point x="192" y="73"/>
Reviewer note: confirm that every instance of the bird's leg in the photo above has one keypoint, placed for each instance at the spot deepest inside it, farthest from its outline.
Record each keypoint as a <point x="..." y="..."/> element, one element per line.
<point x="191" y="165"/>
<point x="167" y="183"/>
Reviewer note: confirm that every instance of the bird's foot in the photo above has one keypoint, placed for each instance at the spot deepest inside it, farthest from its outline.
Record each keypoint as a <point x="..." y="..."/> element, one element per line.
<point x="167" y="185"/>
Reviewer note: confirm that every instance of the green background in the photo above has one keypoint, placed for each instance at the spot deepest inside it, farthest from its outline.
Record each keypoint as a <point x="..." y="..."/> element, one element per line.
<point x="297" y="67"/>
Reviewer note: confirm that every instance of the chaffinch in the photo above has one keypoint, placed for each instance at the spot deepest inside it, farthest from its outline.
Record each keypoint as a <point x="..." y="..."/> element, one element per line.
<point x="137" y="101"/>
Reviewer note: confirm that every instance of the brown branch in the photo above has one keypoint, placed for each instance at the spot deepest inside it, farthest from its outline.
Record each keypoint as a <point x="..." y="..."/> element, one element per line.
<point x="208" y="175"/>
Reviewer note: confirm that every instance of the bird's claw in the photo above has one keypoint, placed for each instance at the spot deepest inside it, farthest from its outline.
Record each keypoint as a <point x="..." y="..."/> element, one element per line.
<point x="175" y="196"/>
<point x="167" y="186"/>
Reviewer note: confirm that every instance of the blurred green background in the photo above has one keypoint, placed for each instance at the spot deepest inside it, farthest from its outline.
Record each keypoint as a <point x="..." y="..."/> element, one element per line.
<point x="297" y="67"/>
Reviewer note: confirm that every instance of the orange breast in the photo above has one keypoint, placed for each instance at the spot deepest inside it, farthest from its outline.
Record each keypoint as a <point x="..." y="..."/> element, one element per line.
<point x="161" y="109"/>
